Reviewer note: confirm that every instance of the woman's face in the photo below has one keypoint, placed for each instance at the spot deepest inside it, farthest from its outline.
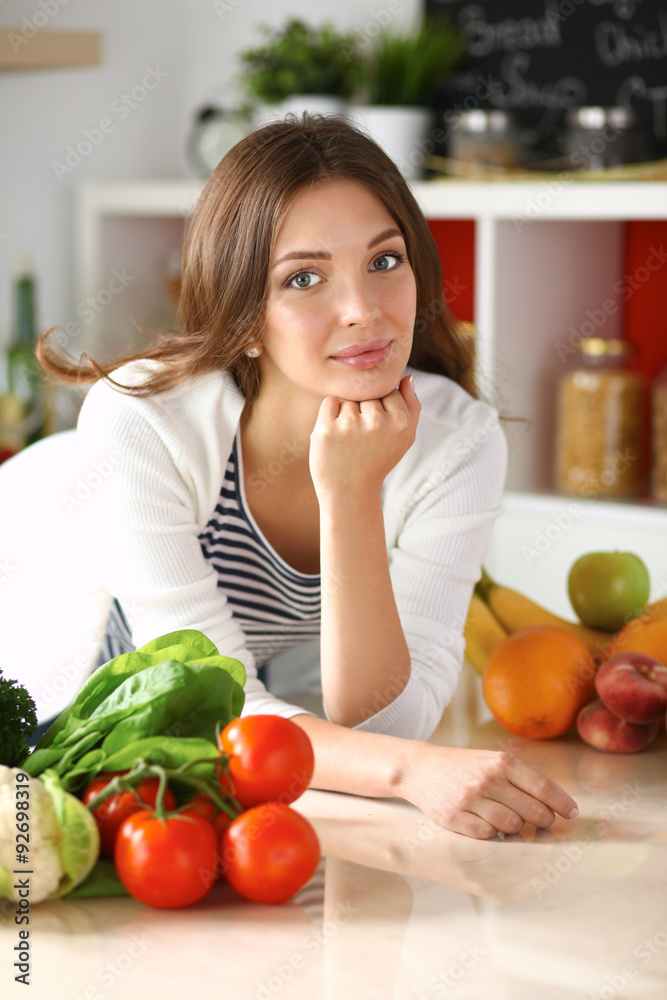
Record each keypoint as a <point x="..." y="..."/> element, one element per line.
<point x="342" y="298"/>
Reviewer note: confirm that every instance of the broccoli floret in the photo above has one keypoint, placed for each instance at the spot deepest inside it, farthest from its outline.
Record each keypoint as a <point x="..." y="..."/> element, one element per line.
<point x="18" y="721"/>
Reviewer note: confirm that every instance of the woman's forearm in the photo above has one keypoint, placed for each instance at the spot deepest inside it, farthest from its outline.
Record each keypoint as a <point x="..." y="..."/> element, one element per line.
<point x="353" y="761"/>
<point x="473" y="792"/>
<point x="364" y="657"/>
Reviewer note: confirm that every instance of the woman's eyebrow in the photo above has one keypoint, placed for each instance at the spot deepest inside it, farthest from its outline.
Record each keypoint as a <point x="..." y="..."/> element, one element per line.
<point x="323" y="255"/>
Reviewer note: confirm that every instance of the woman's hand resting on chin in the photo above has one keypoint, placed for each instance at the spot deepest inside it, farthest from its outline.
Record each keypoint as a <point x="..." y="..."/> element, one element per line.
<point x="355" y="445"/>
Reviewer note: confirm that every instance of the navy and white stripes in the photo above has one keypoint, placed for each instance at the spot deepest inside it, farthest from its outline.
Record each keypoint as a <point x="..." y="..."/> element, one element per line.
<point x="277" y="606"/>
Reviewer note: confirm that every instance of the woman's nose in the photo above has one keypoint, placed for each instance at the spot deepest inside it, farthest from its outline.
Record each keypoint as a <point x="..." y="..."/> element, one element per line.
<point x="357" y="304"/>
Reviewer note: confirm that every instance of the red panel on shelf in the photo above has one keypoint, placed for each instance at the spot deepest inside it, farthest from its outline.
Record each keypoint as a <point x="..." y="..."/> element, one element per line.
<point x="455" y="239"/>
<point x="645" y="284"/>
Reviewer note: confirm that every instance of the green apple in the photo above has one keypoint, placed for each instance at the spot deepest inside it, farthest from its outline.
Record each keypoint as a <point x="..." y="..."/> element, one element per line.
<point x="607" y="589"/>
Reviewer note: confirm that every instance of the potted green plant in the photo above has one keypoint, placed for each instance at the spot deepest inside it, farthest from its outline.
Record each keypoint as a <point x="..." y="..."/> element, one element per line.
<point x="301" y="68"/>
<point x="401" y="77"/>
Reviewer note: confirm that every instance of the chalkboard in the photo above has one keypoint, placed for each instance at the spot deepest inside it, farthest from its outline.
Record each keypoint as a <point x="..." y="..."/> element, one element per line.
<point x="541" y="57"/>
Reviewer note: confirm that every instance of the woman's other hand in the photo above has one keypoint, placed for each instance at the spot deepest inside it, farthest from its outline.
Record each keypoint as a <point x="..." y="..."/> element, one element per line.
<point x="354" y="445"/>
<point x="480" y="792"/>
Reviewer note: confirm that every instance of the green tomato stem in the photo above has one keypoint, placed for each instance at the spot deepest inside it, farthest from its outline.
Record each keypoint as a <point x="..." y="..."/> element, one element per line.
<point x="142" y="770"/>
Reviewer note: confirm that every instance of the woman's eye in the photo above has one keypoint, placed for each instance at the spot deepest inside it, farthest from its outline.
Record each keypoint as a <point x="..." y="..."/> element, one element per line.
<point x="303" y="280"/>
<point x="388" y="261"/>
<point x="308" y="279"/>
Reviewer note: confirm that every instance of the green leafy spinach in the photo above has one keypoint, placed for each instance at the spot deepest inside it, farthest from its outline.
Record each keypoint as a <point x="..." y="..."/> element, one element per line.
<point x="162" y="702"/>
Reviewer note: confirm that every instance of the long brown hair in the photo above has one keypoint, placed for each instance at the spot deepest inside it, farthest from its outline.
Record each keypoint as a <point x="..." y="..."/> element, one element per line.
<point x="228" y="243"/>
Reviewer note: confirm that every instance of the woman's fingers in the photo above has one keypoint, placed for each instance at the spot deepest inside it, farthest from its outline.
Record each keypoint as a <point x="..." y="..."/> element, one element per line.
<point x="542" y="790"/>
<point x="532" y="810"/>
<point x="471" y="825"/>
<point x="530" y="796"/>
<point x="399" y="403"/>
<point x="328" y="412"/>
<point x="409" y="394"/>
<point x="367" y="408"/>
<point x="404" y="401"/>
<point x="529" y="793"/>
<point x="481" y="792"/>
<point x="514" y="808"/>
<point x="388" y="416"/>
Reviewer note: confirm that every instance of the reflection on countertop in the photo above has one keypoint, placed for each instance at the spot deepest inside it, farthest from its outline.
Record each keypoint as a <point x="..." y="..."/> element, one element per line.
<point x="401" y="909"/>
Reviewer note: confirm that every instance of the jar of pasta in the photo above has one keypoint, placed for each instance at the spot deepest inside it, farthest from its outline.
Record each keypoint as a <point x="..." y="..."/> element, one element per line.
<point x="659" y="435"/>
<point x="600" y="423"/>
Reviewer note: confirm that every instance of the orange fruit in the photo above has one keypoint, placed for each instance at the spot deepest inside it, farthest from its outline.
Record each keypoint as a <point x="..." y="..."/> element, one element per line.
<point x="641" y="635"/>
<point x="536" y="680"/>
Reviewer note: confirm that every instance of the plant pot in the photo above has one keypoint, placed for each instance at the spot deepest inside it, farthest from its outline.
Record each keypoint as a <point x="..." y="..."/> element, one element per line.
<point x="314" y="104"/>
<point x="402" y="132"/>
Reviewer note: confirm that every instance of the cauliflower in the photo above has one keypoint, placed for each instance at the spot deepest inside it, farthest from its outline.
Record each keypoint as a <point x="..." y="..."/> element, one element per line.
<point x="63" y="841"/>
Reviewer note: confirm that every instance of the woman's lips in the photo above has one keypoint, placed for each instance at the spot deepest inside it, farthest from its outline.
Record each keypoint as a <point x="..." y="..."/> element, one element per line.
<point x="364" y="355"/>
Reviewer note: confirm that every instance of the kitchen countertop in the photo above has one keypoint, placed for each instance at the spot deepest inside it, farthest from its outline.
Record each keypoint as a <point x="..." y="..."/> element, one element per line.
<point x="400" y="909"/>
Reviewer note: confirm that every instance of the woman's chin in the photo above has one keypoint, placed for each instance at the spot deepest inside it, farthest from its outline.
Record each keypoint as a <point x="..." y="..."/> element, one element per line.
<point x="371" y="383"/>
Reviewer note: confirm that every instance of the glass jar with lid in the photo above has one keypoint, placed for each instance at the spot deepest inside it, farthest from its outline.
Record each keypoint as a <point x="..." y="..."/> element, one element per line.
<point x="598" y="137"/>
<point x="659" y="436"/>
<point x="600" y="423"/>
<point x="484" y="138"/>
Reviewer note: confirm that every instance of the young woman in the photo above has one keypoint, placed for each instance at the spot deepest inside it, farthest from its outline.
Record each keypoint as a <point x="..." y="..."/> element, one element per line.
<point x="303" y="459"/>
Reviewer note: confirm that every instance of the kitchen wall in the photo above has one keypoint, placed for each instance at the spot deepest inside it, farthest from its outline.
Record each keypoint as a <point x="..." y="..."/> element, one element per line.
<point x="183" y="50"/>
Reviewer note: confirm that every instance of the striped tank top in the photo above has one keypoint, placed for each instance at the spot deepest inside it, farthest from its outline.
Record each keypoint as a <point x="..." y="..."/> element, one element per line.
<point x="277" y="607"/>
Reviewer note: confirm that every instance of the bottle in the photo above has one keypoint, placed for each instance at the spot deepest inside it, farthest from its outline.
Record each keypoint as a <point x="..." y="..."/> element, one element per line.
<point x="24" y="379"/>
<point x="600" y="424"/>
<point x="12" y="417"/>
<point x="659" y="436"/>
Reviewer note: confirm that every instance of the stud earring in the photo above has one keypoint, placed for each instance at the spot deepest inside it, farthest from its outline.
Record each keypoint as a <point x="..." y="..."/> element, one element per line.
<point x="254" y="352"/>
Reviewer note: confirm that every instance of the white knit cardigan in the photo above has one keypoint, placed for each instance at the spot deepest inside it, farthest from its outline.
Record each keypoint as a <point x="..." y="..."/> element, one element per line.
<point x="161" y="462"/>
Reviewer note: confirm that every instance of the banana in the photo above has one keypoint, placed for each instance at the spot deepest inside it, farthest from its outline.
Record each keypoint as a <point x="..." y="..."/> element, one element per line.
<point x="482" y="633"/>
<point x="515" y="612"/>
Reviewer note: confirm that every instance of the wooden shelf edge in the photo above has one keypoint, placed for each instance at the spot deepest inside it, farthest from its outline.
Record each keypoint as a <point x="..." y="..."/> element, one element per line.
<point x="27" y="47"/>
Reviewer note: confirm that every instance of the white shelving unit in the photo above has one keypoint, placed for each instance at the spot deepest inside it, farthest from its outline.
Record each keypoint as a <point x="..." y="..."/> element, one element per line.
<point x="130" y="229"/>
<point x="548" y="255"/>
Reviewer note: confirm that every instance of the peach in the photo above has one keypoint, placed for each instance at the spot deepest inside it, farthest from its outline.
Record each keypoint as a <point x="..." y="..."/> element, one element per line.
<point x="634" y="687"/>
<point x="598" y="727"/>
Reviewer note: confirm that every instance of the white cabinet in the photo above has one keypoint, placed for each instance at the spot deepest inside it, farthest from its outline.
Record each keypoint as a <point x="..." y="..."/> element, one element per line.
<point x="125" y="235"/>
<point x="548" y="255"/>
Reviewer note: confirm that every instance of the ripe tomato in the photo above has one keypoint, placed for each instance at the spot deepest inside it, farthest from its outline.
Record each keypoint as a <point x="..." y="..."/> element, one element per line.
<point x="206" y="807"/>
<point x="269" y="852"/>
<point x="166" y="863"/>
<point x="270" y="759"/>
<point x="112" y="813"/>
